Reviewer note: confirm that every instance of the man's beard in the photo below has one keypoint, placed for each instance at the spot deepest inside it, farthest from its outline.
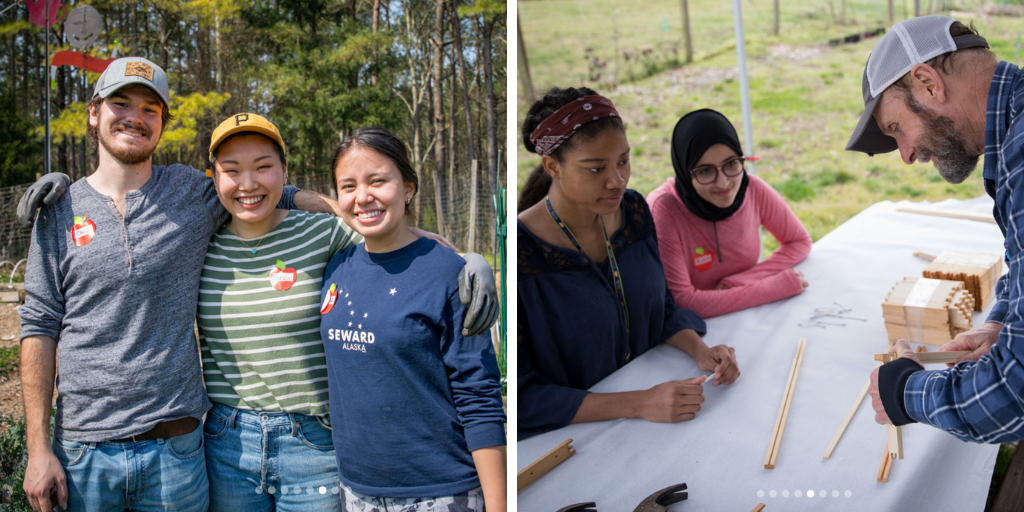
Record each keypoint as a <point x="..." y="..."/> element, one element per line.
<point x="942" y="144"/>
<point x="132" y="154"/>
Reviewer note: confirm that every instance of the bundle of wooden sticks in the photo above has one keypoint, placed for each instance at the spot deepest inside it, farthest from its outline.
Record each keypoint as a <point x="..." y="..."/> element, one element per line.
<point x="978" y="272"/>
<point x="932" y="311"/>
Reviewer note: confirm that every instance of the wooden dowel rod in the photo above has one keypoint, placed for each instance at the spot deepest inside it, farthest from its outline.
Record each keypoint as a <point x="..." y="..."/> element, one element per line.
<point x="928" y="357"/>
<point x="948" y="213"/>
<point x="895" y="441"/>
<point x="782" y="407"/>
<point x="925" y="255"/>
<point x="846" y="422"/>
<point x="758" y="508"/>
<point x="544" y="464"/>
<point x="801" y="346"/>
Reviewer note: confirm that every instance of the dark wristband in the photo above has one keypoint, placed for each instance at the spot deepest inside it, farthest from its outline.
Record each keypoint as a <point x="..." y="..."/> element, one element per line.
<point x="892" y="381"/>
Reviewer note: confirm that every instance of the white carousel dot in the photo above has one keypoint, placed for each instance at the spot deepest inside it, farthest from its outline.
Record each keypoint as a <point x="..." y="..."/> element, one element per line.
<point x="259" y="490"/>
<point x="271" y="489"/>
<point x="847" y="494"/>
<point x="835" y="494"/>
<point x="810" y="494"/>
<point x="785" y="494"/>
<point x="822" y="493"/>
<point x="335" y="490"/>
<point x="773" y="494"/>
<point x="323" y="490"/>
<point x="760" y="494"/>
<point x="797" y="493"/>
<point x="284" y="490"/>
<point x="309" y="490"/>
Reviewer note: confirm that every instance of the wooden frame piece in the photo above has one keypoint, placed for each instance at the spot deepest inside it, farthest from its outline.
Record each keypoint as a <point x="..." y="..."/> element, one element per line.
<point x="895" y="441"/>
<point x="787" y="399"/>
<point x="980" y="217"/>
<point x="928" y="357"/>
<point x="758" y="508"/>
<point x="544" y="464"/>
<point x="925" y="255"/>
<point x="846" y="422"/>
<point x="883" y="469"/>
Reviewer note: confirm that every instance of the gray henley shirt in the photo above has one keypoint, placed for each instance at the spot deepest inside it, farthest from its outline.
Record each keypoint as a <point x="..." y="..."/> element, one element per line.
<point x="122" y="306"/>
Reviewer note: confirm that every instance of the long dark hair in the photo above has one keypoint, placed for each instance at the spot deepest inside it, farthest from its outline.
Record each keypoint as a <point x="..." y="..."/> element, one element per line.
<point x="384" y="143"/>
<point x="539" y="182"/>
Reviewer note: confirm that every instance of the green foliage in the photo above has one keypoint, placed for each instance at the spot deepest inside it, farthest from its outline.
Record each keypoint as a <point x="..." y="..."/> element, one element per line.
<point x="181" y="133"/>
<point x="9" y="357"/>
<point x="486" y="8"/>
<point x="72" y="122"/>
<point x="13" y="458"/>
<point x="20" y="146"/>
<point x="796" y="188"/>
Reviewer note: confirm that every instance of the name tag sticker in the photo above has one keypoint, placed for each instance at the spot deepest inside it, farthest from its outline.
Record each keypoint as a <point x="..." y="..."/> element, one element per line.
<point x="83" y="230"/>
<point x="329" y="300"/>
<point x="282" y="277"/>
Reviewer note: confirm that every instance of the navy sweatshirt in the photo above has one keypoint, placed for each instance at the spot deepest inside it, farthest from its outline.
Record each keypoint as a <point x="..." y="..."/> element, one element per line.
<point x="572" y="330"/>
<point x="410" y="396"/>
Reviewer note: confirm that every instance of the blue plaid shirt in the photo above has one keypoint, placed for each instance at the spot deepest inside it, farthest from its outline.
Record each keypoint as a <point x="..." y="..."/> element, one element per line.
<point x="984" y="401"/>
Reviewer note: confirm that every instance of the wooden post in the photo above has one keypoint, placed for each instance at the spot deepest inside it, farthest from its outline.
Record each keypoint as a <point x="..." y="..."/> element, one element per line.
<point x="917" y="8"/>
<point x="472" y="206"/>
<point x="891" y="18"/>
<point x="523" y="65"/>
<point x="686" y="32"/>
<point x="775" y="28"/>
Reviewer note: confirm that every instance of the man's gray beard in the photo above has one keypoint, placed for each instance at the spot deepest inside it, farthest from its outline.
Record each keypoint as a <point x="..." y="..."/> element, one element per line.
<point x="131" y="156"/>
<point x="943" y="144"/>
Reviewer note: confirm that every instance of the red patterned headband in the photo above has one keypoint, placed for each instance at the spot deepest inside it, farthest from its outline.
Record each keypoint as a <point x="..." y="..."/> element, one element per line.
<point x="561" y="125"/>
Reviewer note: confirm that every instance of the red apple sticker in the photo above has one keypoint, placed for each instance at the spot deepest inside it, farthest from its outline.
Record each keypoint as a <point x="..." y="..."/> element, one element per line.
<point x="282" y="278"/>
<point x="330" y="299"/>
<point x="83" y="231"/>
<point x="703" y="259"/>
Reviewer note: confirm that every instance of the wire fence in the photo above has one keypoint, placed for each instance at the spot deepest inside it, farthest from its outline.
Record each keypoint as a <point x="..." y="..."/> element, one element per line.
<point x="14" y="239"/>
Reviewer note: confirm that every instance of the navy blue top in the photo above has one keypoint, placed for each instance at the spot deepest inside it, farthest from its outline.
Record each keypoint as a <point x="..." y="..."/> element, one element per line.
<point x="572" y="330"/>
<point x="410" y="396"/>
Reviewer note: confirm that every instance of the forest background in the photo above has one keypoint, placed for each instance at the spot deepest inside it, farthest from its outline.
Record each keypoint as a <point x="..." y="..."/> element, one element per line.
<point x="318" y="69"/>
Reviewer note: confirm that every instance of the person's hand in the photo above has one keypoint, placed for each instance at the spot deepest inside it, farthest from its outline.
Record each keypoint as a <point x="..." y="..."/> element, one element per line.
<point x="478" y="290"/>
<point x="900" y="349"/>
<point x="41" y="475"/>
<point x="800" y="277"/>
<point x="433" y="236"/>
<point x="978" y="340"/>
<point x="47" y="191"/>
<point x="673" y="401"/>
<point x="720" y="359"/>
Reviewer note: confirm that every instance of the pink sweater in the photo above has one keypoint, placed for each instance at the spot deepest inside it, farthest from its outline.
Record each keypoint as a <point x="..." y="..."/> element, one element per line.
<point x="692" y="267"/>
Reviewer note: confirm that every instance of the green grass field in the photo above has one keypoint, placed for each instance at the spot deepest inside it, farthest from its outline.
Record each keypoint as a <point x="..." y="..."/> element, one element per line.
<point x="805" y="95"/>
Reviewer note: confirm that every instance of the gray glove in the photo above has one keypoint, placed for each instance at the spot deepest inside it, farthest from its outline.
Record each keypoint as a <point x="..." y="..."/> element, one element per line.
<point x="476" y="282"/>
<point x="47" y="190"/>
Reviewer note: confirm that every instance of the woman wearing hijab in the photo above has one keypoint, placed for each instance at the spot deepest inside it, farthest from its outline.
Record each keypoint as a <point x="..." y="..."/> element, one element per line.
<point x="591" y="290"/>
<point x="707" y="220"/>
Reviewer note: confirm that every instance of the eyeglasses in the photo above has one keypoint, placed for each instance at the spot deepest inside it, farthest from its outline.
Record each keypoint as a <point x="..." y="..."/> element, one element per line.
<point x="706" y="174"/>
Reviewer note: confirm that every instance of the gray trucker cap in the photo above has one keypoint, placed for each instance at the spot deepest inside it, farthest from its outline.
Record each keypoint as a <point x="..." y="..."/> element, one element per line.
<point x="133" y="70"/>
<point x="906" y="44"/>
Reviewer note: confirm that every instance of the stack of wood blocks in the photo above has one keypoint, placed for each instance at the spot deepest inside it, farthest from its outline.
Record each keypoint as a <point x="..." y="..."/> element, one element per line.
<point x="978" y="272"/>
<point x="932" y="311"/>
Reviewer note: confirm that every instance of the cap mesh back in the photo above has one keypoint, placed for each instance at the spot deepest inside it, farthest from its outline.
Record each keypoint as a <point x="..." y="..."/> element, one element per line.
<point x="909" y="42"/>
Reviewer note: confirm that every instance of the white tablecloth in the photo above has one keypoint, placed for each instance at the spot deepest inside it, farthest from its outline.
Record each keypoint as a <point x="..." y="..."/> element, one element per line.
<point x="720" y="454"/>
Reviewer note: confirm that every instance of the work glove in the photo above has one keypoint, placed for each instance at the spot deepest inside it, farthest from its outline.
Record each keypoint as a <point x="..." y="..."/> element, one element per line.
<point x="478" y="291"/>
<point x="47" y="190"/>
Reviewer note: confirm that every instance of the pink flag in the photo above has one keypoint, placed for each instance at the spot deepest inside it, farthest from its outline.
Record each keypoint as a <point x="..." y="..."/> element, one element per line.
<point x="37" y="12"/>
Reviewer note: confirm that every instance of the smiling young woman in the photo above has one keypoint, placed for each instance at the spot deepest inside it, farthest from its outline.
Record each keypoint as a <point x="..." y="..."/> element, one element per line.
<point x="708" y="218"/>
<point x="591" y="289"/>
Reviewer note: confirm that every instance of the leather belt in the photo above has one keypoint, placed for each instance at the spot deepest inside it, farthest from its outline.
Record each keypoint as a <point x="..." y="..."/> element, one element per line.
<point x="163" y="430"/>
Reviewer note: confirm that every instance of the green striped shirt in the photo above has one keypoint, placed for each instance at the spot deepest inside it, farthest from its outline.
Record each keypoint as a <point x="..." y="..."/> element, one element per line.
<point x="261" y="346"/>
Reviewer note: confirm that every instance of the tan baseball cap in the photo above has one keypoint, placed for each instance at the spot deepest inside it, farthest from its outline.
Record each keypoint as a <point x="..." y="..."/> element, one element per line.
<point x="246" y="122"/>
<point x="133" y="70"/>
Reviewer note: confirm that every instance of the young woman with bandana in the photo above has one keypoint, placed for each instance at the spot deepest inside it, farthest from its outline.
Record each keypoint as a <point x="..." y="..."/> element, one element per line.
<point x="591" y="289"/>
<point x="708" y="218"/>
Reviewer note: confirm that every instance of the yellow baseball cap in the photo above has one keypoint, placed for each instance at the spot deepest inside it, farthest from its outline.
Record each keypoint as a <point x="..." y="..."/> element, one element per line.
<point x="246" y="122"/>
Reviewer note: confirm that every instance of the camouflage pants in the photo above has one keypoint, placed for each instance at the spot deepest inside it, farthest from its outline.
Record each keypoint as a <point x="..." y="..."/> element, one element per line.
<point x="472" y="501"/>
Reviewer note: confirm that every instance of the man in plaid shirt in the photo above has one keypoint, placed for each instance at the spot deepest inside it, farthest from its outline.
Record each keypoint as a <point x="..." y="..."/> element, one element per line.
<point x="933" y="90"/>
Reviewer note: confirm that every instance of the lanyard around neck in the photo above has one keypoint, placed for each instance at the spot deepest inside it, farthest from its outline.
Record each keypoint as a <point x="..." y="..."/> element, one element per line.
<point x="616" y="275"/>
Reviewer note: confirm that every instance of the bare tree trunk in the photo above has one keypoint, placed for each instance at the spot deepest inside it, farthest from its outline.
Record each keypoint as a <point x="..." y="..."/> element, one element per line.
<point x="438" y="79"/>
<point x="891" y="17"/>
<point x="470" y="139"/>
<point x="492" y="140"/>
<point x="376" y="20"/>
<point x="452" y="159"/>
<point x="775" y="27"/>
<point x="218" y="52"/>
<point x="523" y="64"/>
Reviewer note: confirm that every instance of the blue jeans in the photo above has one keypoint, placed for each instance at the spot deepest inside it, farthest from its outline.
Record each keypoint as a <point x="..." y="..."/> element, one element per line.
<point x="165" y="474"/>
<point x="269" y="461"/>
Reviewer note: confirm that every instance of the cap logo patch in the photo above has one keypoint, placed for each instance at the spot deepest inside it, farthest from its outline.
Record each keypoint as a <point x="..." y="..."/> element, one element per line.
<point x="139" y="69"/>
<point x="241" y="118"/>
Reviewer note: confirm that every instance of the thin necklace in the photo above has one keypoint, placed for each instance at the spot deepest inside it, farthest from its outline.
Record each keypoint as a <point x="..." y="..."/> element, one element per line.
<point x="253" y="249"/>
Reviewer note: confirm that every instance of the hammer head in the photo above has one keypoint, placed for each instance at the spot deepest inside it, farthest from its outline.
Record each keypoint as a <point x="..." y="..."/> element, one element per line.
<point x="660" y="500"/>
<point x="580" y="507"/>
